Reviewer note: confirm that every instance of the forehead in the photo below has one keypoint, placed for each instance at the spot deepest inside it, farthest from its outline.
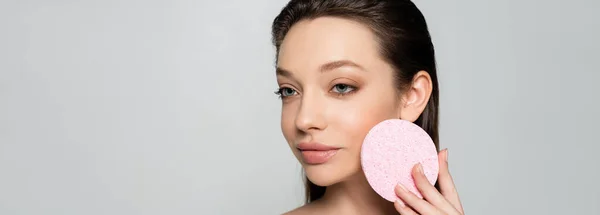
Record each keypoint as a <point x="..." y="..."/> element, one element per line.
<point x="310" y="43"/>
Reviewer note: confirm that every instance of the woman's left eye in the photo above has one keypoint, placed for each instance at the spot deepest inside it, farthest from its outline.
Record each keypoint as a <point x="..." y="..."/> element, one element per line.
<point x="343" y="88"/>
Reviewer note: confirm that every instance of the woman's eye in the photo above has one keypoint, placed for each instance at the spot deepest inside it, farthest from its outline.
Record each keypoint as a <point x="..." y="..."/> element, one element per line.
<point x="285" y="92"/>
<point x="343" y="88"/>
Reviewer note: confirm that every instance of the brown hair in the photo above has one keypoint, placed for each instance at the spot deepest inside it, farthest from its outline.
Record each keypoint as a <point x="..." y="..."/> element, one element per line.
<point x="403" y="39"/>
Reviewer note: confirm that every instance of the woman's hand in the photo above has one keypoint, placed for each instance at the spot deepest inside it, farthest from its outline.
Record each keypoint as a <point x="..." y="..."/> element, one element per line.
<point x="434" y="202"/>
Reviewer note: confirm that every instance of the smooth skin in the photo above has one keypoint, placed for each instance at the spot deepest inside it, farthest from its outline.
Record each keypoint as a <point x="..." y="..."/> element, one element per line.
<point x="335" y="87"/>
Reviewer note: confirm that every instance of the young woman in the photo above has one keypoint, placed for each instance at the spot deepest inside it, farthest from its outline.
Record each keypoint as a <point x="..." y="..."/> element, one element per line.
<point x="342" y="67"/>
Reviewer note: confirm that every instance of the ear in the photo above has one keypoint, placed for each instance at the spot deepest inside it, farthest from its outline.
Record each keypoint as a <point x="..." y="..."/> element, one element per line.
<point x="415" y="99"/>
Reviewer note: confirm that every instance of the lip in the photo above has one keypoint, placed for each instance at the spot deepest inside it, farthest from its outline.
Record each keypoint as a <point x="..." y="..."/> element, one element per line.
<point x="316" y="153"/>
<point x="314" y="146"/>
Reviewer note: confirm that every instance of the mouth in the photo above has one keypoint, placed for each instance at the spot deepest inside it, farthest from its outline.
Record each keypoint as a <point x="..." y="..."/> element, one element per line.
<point x="316" y="153"/>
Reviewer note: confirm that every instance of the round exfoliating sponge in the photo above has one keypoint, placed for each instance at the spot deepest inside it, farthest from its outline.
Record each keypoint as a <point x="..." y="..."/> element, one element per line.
<point x="390" y="151"/>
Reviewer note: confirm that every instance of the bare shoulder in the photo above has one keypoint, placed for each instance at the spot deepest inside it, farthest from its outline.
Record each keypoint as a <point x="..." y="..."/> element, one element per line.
<point x="305" y="209"/>
<point x="297" y="211"/>
<point x="311" y="208"/>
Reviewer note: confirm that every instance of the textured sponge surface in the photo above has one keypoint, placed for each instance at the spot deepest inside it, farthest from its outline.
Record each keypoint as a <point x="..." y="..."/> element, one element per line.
<point x="390" y="151"/>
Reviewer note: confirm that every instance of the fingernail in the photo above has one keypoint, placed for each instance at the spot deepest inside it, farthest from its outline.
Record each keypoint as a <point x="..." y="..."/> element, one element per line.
<point x="420" y="168"/>
<point x="400" y="203"/>
<point x="402" y="187"/>
<point x="446" y="156"/>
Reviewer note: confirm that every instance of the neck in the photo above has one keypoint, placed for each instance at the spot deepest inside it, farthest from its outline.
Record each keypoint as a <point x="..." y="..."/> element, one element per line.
<point x="355" y="196"/>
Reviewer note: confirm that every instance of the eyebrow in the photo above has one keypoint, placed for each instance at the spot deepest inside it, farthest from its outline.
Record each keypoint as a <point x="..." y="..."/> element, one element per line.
<point x="323" y="68"/>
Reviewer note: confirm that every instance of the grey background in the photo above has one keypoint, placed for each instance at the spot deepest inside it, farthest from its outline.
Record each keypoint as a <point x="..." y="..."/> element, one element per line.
<point x="166" y="107"/>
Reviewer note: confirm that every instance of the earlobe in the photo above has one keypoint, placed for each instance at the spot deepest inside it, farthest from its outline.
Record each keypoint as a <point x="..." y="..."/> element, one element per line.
<point x="416" y="98"/>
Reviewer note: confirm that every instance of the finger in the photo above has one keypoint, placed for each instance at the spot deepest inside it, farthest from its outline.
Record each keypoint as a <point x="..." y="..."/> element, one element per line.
<point x="447" y="183"/>
<point x="403" y="209"/>
<point x="429" y="192"/>
<point x="418" y="204"/>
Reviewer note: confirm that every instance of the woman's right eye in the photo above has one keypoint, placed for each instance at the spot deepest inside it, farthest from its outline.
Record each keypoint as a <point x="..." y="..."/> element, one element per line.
<point x="285" y="92"/>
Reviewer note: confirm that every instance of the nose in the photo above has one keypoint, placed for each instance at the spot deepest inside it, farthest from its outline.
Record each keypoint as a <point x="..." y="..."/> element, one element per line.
<point x="311" y="116"/>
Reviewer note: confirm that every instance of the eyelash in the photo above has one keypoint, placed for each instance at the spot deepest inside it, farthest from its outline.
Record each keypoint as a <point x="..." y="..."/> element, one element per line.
<point x="279" y="92"/>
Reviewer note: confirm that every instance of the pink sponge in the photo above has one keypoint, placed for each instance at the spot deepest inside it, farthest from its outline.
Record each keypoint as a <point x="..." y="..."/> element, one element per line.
<point x="389" y="152"/>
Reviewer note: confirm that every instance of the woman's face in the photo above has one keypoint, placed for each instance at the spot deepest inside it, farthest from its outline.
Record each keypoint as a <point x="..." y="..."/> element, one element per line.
<point x="335" y="87"/>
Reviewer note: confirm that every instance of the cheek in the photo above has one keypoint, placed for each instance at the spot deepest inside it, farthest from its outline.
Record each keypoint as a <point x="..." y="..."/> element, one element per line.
<point x="288" y="127"/>
<point x="355" y="119"/>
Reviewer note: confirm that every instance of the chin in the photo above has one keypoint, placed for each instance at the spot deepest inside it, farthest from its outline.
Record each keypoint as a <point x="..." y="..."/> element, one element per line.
<point x="328" y="174"/>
